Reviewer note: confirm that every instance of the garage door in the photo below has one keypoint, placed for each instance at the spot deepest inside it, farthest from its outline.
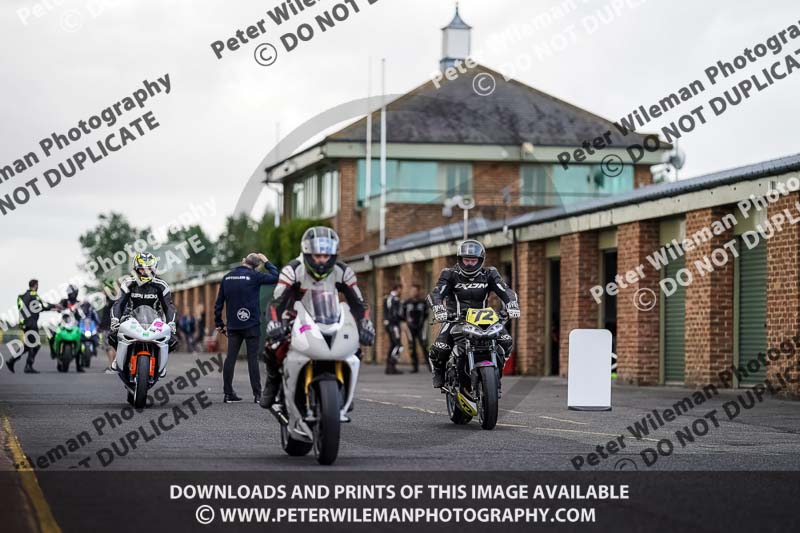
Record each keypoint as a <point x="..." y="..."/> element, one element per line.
<point x="752" y="308"/>
<point x="674" y="323"/>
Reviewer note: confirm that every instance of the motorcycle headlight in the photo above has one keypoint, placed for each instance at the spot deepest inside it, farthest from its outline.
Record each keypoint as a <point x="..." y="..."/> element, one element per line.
<point x="471" y="330"/>
<point x="87" y="334"/>
<point x="495" y="329"/>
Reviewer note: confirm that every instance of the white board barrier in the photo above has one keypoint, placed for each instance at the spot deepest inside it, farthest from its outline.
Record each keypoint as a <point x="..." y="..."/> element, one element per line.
<point x="589" y="378"/>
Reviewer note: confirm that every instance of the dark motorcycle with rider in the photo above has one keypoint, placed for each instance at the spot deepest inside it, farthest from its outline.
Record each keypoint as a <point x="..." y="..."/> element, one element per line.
<point x="469" y="354"/>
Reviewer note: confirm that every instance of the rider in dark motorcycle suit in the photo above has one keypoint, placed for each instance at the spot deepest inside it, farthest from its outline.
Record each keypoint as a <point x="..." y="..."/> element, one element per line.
<point x="464" y="286"/>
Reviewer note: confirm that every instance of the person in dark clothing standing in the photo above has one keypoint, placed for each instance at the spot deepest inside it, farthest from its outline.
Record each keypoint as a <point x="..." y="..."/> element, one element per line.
<point x="392" y="318"/>
<point x="415" y="313"/>
<point x="30" y="305"/>
<point x="239" y="293"/>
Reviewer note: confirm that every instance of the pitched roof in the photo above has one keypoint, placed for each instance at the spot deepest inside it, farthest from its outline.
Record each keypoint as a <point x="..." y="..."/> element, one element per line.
<point x="457" y="23"/>
<point x="513" y="114"/>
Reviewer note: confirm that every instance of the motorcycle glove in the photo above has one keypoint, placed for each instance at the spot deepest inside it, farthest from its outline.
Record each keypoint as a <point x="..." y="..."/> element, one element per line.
<point x="275" y="330"/>
<point x="172" y="327"/>
<point x="366" y="332"/>
<point x="114" y="324"/>
<point x="513" y="310"/>
<point x="440" y="313"/>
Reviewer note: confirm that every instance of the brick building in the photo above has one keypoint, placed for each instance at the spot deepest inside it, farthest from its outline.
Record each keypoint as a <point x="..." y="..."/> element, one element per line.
<point x="557" y="234"/>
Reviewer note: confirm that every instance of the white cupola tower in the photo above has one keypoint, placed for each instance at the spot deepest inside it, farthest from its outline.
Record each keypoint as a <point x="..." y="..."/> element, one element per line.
<point x="456" y="41"/>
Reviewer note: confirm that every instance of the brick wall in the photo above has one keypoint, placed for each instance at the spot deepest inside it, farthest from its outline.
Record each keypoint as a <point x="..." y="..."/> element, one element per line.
<point x="580" y="266"/>
<point x="709" y="305"/>
<point x="642" y="176"/>
<point x="638" y="328"/>
<point x="783" y="296"/>
<point x="529" y="332"/>
<point x="348" y="222"/>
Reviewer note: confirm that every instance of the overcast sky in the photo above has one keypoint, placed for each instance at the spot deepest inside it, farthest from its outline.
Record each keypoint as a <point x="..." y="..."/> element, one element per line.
<point x="220" y="118"/>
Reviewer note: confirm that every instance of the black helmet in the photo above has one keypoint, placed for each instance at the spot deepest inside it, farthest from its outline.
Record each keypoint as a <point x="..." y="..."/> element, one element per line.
<point x="72" y="293"/>
<point x="471" y="249"/>
<point x="319" y="241"/>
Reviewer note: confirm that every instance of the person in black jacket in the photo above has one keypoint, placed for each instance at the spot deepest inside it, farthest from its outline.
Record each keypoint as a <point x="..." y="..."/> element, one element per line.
<point x="30" y="305"/>
<point x="143" y="288"/>
<point x="392" y="318"/>
<point x="467" y="285"/>
<point x="415" y="313"/>
<point x="239" y="294"/>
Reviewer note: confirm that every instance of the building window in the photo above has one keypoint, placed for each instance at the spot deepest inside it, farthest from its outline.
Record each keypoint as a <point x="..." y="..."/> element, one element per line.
<point x="316" y="195"/>
<point x="414" y="182"/>
<point x="552" y="185"/>
<point x="456" y="178"/>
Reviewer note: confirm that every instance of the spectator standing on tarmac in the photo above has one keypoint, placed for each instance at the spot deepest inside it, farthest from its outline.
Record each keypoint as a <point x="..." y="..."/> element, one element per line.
<point x="392" y="318"/>
<point x="415" y="313"/>
<point x="239" y="293"/>
<point x="30" y="305"/>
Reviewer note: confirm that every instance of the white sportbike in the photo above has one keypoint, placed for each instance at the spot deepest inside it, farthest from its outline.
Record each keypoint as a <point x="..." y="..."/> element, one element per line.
<point x="142" y="352"/>
<point x="319" y="376"/>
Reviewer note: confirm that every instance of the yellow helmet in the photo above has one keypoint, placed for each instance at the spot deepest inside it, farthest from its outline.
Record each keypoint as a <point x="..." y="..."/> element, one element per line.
<point x="144" y="266"/>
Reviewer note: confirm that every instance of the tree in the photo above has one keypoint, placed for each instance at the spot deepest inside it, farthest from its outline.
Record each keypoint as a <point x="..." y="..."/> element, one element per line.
<point x="112" y="235"/>
<point x="204" y="257"/>
<point x="237" y="240"/>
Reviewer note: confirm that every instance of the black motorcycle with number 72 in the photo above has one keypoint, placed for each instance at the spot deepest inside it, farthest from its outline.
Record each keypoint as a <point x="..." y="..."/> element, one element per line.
<point x="472" y="375"/>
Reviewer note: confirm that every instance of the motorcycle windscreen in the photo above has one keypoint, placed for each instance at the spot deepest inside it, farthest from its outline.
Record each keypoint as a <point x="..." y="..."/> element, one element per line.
<point x="325" y="304"/>
<point x="145" y="315"/>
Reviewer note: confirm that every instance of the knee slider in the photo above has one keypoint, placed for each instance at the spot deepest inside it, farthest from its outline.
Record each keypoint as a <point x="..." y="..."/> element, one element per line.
<point x="439" y="352"/>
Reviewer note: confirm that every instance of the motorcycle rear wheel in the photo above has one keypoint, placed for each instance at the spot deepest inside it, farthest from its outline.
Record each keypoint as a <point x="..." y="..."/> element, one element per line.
<point x="487" y="403"/>
<point x="328" y="425"/>
<point x="140" y="382"/>
<point x="457" y="416"/>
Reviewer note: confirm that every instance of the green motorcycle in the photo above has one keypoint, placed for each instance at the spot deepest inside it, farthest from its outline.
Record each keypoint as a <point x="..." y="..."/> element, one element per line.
<point x="67" y="343"/>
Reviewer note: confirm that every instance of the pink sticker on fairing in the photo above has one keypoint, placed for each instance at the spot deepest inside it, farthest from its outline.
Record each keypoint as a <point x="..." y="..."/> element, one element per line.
<point x="158" y="326"/>
<point x="304" y="328"/>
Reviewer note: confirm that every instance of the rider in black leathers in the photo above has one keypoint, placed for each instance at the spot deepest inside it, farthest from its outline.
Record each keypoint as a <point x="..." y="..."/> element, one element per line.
<point x="144" y="288"/>
<point x="466" y="285"/>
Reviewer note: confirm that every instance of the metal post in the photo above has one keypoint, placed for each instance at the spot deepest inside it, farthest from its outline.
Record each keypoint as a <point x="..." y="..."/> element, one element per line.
<point x="368" y="187"/>
<point x="383" y="156"/>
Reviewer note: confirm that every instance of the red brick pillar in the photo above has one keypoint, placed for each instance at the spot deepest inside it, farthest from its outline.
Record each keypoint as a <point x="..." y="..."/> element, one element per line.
<point x="783" y="298"/>
<point x="642" y="177"/>
<point x="709" y="302"/>
<point x="580" y="271"/>
<point x="638" y="325"/>
<point x="529" y="331"/>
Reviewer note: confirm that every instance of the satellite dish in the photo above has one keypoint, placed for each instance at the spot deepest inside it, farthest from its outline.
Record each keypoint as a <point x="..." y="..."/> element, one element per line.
<point x="677" y="158"/>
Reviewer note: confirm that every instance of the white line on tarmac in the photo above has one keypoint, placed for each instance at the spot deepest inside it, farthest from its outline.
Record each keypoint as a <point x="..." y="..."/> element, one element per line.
<point x="564" y="420"/>
<point x="589" y="433"/>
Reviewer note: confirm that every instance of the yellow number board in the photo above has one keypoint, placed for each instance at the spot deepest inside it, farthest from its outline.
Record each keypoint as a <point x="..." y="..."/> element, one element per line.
<point x="482" y="317"/>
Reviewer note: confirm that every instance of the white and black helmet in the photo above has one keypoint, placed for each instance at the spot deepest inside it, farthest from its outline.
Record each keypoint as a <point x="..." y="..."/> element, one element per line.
<point x="320" y="240"/>
<point x="471" y="249"/>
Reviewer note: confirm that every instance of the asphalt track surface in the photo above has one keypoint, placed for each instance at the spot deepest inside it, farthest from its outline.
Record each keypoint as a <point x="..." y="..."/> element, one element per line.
<point x="399" y="423"/>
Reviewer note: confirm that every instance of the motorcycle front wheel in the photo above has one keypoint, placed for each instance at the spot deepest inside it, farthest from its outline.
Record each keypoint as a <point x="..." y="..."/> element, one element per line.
<point x="140" y="381"/>
<point x="328" y="424"/>
<point x="487" y="403"/>
<point x="66" y="357"/>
